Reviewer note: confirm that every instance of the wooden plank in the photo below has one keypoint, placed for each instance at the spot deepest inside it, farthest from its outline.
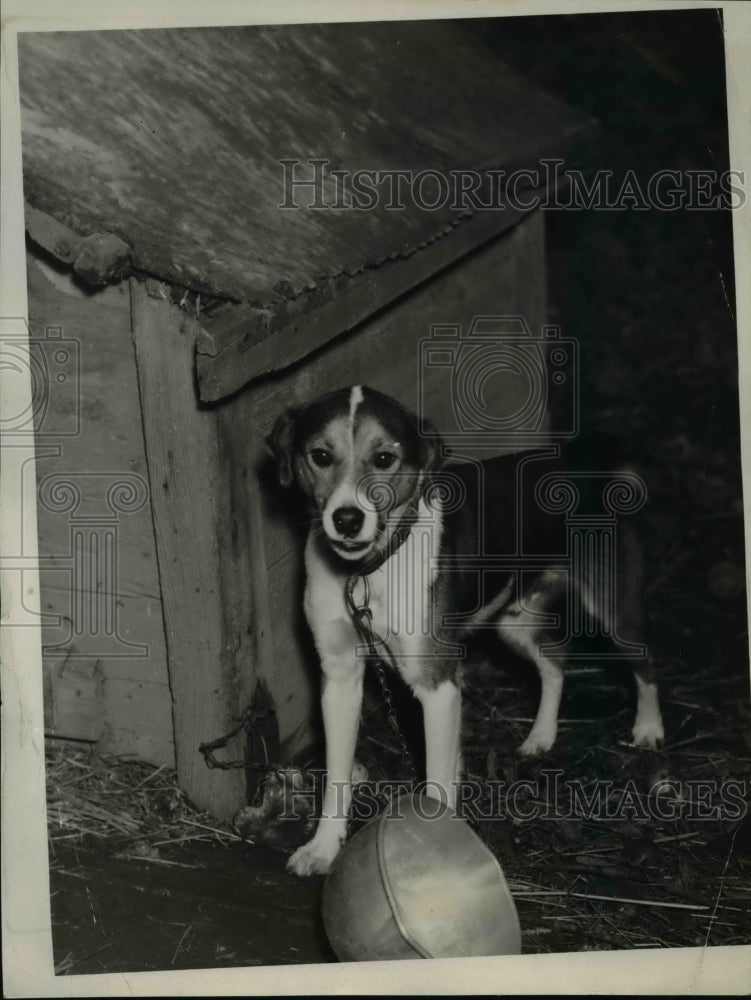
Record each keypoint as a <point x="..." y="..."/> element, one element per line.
<point x="194" y="529"/>
<point x="124" y="717"/>
<point x="119" y="700"/>
<point x="243" y="343"/>
<point x="241" y="550"/>
<point x="51" y="235"/>
<point x="138" y="720"/>
<point x="99" y="259"/>
<point x="108" y="650"/>
<point x="74" y="701"/>
<point x="246" y="609"/>
<point x="374" y="96"/>
<point x="133" y="646"/>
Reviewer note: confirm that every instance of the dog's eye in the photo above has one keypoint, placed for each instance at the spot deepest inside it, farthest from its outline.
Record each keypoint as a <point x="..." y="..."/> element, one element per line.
<point x="384" y="460"/>
<point x="321" y="457"/>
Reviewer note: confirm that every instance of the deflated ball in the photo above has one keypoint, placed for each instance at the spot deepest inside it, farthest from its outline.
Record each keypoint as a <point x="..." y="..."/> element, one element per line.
<point x="417" y="882"/>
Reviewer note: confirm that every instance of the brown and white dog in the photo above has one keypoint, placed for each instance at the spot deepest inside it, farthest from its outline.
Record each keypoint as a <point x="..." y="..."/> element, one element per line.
<point x="435" y="553"/>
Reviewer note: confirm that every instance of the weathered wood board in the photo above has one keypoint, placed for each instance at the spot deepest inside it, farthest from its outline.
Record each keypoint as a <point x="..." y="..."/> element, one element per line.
<point x="179" y="134"/>
<point x="200" y="504"/>
<point x="103" y="636"/>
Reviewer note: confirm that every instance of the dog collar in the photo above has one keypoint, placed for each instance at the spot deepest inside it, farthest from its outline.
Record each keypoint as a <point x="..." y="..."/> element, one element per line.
<point x="361" y="614"/>
<point x="399" y="536"/>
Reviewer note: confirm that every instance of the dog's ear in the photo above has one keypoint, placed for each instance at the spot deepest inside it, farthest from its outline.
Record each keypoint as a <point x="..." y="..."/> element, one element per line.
<point x="432" y="449"/>
<point x="280" y="445"/>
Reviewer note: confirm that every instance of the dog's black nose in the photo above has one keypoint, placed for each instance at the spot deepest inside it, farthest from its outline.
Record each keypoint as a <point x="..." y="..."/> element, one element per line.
<point x="348" y="520"/>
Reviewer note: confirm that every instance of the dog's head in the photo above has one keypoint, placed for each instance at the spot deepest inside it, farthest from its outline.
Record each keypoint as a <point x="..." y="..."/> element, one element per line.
<point x="361" y="458"/>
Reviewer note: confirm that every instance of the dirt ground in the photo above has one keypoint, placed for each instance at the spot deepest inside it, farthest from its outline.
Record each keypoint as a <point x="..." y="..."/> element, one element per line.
<point x="649" y="296"/>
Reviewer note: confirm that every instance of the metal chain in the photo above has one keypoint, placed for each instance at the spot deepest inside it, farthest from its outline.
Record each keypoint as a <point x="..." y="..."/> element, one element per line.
<point x="362" y="616"/>
<point x="391" y="715"/>
<point x="248" y="724"/>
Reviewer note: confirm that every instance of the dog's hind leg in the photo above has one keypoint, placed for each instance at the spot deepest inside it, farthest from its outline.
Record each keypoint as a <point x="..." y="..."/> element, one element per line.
<point x="541" y="736"/>
<point x="648" y="730"/>
<point x="519" y="628"/>
<point x="545" y="727"/>
<point x="627" y="608"/>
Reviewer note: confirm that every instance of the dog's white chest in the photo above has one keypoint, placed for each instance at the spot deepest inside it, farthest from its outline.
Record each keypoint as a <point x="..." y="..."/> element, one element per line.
<point x="398" y="595"/>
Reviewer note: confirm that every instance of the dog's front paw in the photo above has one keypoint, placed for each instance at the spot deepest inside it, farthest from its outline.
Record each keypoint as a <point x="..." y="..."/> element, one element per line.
<point x="648" y="733"/>
<point x="539" y="741"/>
<point x="315" y="857"/>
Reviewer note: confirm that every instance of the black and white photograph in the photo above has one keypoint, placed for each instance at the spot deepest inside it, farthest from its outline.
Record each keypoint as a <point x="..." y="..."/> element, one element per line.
<point x="374" y="561"/>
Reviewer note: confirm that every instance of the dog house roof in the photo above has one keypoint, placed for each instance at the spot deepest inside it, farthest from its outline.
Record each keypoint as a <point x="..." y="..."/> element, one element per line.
<point x="163" y="147"/>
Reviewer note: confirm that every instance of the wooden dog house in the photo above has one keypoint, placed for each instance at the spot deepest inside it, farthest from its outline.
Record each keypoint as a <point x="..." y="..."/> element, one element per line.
<point x="179" y="301"/>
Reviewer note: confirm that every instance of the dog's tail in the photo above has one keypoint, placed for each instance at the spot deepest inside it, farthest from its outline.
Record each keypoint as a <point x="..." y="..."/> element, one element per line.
<point x="493" y="608"/>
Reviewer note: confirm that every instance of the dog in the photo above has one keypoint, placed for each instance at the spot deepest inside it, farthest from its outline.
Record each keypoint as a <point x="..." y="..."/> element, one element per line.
<point x="433" y="551"/>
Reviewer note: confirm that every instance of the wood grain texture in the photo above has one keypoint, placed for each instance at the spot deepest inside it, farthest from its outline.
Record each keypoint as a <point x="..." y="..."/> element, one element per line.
<point x="103" y="634"/>
<point x="205" y="593"/>
<point x="242" y="344"/>
<point x="171" y="139"/>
